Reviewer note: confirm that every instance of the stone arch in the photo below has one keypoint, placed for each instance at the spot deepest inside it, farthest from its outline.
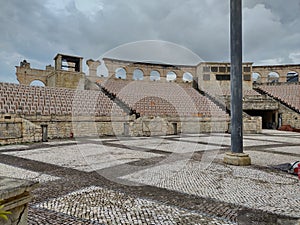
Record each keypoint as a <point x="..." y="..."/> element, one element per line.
<point x="171" y="76"/>
<point x="256" y="77"/>
<point x="154" y="75"/>
<point x="273" y="77"/>
<point x="292" y="76"/>
<point x="37" y="82"/>
<point x="121" y="73"/>
<point x="138" y="74"/>
<point x="187" y="77"/>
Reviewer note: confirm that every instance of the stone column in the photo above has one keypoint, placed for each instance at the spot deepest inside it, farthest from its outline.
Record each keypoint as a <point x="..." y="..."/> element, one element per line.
<point x="236" y="156"/>
<point x="93" y="65"/>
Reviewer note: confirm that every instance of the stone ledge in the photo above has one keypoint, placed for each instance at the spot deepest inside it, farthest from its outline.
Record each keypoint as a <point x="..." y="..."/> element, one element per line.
<point x="16" y="194"/>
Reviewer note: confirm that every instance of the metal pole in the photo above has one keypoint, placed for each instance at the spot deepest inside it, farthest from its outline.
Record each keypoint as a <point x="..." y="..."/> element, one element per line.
<point x="236" y="76"/>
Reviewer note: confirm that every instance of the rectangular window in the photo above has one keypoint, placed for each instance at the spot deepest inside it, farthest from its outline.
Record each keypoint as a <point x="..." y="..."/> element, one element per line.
<point x="206" y="76"/>
<point x="247" y="69"/>
<point x="222" y="69"/>
<point x="222" y="77"/>
<point x="206" y="69"/>
<point x="214" y="69"/>
<point x="247" y="77"/>
<point x="228" y="69"/>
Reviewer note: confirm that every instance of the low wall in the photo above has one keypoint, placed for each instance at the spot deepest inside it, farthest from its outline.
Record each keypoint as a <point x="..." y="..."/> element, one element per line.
<point x="147" y="126"/>
<point x="16" y="130"/>
<point x="15" y="195"/>
<point x="252" y="125"/>
<point x="29" y="128"/>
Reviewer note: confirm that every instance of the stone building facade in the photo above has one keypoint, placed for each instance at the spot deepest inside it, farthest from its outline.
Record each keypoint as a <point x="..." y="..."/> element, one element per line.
<point x="67" y="73"/>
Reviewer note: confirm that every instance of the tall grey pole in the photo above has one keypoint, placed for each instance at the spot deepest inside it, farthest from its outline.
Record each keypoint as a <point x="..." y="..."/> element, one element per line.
<point x="236" y="76"/>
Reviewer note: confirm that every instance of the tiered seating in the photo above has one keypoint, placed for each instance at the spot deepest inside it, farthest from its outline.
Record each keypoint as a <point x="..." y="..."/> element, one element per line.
<point x="30" y="100"/>
<point x="287" y="93"/>
<point x="162" y="98"/>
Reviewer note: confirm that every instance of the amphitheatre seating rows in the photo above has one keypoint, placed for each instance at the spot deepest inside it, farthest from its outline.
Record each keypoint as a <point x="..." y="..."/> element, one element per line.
<point x="163" y="98"/>
<point x="32" y="100"/>
<point x="286" y="93"/>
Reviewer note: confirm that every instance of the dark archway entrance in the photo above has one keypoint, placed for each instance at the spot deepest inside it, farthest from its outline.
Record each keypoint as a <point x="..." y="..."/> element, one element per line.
<point x="269" y="117"/>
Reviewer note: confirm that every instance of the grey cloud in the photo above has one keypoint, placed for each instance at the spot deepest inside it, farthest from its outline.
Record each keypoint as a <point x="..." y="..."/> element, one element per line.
<point x="33" y="31"/>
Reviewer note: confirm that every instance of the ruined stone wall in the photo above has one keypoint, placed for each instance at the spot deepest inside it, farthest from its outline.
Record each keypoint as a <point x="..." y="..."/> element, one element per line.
<point x="129" y="66"/>
<point x="281" y="70"/>
<point x="66" y="79"/>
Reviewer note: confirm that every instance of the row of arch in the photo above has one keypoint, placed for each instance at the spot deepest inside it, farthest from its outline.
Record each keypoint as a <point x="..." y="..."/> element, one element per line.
<point x="155" y="75"/>
<point x="273" y="77"/>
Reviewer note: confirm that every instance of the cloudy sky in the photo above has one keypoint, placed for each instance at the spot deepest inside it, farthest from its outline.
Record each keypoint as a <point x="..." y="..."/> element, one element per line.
<point x="37" y="30"/>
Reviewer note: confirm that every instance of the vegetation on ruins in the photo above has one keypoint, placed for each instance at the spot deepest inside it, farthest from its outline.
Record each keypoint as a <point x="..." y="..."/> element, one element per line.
<point x="3" y="213"/>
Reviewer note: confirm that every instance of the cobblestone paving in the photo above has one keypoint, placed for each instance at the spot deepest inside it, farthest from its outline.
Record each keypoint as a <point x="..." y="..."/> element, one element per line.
<point x="249" y="187"/>
<point x="15" y="172"/>
<point x="80" y="180"/>
<point x="110" y="207"/>
<point x="84" y="157"/>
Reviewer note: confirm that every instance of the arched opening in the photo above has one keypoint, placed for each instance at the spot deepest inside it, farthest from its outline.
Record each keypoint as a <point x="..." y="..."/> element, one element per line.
<point x="187" y="77"/>
<point x="273" y="77"/>
<point x="154" y="75"/>
<point x="64" y="65"/>
<point x="292" y="76"/>
<point x="256" y="78"/>
<point x="120" y="73"/>
<point x="171" y="76"/>
<point x="37" y="83"/>
<point x="138" y="74"/>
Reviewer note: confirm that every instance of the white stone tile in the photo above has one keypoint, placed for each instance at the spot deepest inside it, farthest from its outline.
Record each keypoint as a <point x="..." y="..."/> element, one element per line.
<point x="106" y="206"/>
<point x="15" y="172"/>
<point x="13" y="147"/>
<point x="238" y="185"/>
<point x="84" y="157"/>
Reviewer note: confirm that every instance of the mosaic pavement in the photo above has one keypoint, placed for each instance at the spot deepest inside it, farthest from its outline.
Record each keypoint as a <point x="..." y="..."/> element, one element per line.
<point x="158" y="180"/>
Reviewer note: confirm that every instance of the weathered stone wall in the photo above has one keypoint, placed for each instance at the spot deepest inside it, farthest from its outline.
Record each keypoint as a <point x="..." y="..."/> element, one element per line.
<point x="261" y="102"/>
<point x="215" y="76"/>
<point x="146" y="126"/>
<point x="28" y="129"/>
<point x="16" y="130"/>
<point x="66" y="79"/>
<point x="252" y="125"/>
<point x="289" y="116"/>
<point x="26" y="75"/>
<point x="281" y="70"/>
<point x="204" y="125"/>
<point x="129" y="66"/>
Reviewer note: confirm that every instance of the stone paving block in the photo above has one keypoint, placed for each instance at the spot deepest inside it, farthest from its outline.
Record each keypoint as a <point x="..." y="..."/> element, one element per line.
<point x="15" y="172"/>
<point x="110" y="207"/>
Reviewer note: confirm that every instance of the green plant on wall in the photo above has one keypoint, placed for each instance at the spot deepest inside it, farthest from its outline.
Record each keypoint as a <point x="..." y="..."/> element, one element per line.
<point x="3" y="213"/>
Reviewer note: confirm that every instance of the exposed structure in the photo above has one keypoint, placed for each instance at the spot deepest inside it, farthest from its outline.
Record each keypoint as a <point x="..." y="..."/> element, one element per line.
<point x="66" y="73"/>
<point x="136" y="99"/>
<point x="149" y="71"/>
<point x="276" y="73"/>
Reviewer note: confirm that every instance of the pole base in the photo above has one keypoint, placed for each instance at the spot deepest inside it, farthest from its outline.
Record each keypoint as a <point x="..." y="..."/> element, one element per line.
<point x="237" y="159"/>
